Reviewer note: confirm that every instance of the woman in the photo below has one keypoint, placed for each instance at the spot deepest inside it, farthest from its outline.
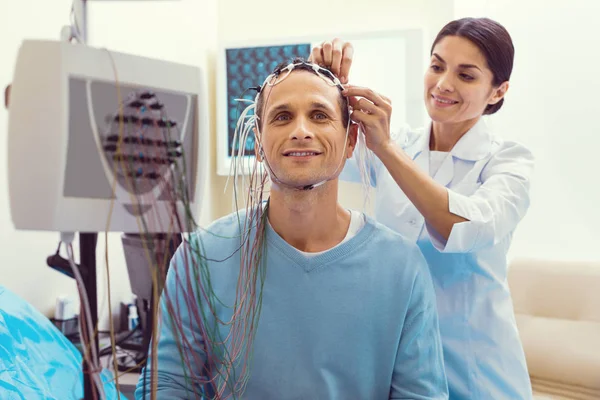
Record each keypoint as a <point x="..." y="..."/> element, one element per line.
<point x="459" y="191"/>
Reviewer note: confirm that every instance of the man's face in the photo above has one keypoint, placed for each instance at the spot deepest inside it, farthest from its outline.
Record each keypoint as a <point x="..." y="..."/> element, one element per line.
<point x="303" y="135"/>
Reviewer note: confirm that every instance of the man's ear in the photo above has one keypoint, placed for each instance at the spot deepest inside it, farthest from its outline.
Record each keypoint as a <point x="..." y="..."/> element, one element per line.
<point x="257" y="146"/>
<point x="352" y="139"/>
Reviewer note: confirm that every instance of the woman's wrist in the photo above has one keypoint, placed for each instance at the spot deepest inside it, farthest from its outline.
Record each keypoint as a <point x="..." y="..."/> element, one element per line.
<point x="385" y="150"/>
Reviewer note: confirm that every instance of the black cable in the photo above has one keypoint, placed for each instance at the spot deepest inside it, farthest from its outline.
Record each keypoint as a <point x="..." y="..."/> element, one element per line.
<point x="108" y="350"/>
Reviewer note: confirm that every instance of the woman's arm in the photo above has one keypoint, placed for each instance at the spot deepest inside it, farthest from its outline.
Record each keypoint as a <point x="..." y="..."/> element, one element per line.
<point x="372" y="112"/>
<point x="460" y="223"/>
<point x="428" y="196"/>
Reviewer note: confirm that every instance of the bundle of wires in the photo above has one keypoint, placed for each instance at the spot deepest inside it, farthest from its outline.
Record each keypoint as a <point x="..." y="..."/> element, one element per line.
<point x="225" y="343"/>
<point x="225" y="367"/>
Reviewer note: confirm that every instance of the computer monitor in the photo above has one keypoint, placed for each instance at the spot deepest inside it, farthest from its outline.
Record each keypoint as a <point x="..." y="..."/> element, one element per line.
<point x="98" y="140"/>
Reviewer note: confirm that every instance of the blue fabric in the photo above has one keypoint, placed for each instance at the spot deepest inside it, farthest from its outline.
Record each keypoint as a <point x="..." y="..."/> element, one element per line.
<point x="356" y="322"/>
<point x="36" y="360"/>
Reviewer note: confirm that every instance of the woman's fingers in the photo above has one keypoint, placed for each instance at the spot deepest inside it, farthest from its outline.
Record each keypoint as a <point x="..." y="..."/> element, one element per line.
<point x="327" y="51"/>
<point x="372" y="96"/>
<point x="316" y="55"/>
<point x="335" y="55"/>
<point x="373" y="120"/>
<point x="346" y="61"/>
<point x="362" y="104"/>
<point x="387" y="99"/>
<point x="361" y="117"/>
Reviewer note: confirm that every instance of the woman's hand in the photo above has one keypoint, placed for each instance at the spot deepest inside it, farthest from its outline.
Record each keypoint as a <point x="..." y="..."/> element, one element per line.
<point x="336" y="56"/>
<point x="373" y="112"/>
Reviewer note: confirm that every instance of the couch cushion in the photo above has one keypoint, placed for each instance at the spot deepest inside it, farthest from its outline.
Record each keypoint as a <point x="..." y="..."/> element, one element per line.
<point x="557" y="306"/>
<point x="556" y="289"/>
<point x="548" y="390"/>
<point x="562" y="351"/>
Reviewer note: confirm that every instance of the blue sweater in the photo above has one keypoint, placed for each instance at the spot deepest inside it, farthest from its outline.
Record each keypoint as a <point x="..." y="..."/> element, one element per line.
<point x="356" y="322"/>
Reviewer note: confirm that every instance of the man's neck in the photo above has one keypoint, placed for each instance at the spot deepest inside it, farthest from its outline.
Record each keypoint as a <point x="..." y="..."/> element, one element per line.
<point x="311" y="220"/>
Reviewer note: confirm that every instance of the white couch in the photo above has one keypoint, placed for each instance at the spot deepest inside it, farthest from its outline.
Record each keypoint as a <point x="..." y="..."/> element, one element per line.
<point x="557" y="306"/>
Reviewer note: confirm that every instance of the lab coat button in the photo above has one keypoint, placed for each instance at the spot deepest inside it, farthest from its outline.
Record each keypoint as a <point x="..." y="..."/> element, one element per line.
<point x="413" y="222"/>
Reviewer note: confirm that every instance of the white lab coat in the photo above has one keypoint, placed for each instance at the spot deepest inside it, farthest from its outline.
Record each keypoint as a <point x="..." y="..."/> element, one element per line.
<point x="488" y="184"/>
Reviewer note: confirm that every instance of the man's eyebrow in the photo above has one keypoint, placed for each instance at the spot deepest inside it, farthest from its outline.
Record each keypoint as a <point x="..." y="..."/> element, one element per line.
<point x="465" y="66"/>
<point x="277" y="109"/>
<point x="321" y="106"/>
<point x="286" y="107"/>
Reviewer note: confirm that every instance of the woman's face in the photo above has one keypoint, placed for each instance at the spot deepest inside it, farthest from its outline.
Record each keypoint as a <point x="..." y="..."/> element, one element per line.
<point x="458" y="82"/>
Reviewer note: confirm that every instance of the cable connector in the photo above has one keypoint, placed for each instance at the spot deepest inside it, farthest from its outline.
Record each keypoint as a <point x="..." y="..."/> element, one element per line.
<point x="66" y="33"/>
<point x="67" y="237"/>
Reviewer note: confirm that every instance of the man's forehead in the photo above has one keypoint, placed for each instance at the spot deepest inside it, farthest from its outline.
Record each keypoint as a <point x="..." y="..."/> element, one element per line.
<point x="301" y="85"/>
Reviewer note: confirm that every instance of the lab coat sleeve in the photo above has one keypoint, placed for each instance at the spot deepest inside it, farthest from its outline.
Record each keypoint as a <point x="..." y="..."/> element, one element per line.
<point x="179" y="351"/>
<point x="495" y="208"/>
<point x="419" y="372"/>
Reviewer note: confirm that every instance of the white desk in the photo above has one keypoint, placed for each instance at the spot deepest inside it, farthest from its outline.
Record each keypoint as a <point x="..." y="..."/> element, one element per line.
<point x="127" y="383"/>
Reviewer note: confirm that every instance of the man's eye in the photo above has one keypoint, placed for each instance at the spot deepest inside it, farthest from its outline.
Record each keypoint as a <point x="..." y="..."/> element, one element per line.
<point x="320" y="115"/>
<point x="282" y="117"/>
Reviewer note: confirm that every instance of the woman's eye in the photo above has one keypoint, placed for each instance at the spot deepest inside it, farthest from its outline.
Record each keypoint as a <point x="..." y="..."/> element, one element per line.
<point x="466" y="77"/>
<point x="436" y="68"/>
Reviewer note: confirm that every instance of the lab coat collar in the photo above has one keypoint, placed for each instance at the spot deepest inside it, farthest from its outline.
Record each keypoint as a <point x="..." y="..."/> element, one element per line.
<point x="474" y="145"/>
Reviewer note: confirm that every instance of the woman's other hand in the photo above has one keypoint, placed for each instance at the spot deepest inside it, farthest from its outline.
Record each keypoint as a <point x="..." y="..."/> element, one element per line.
<point x="335" y="55"/>
<point x="373" y="112"/>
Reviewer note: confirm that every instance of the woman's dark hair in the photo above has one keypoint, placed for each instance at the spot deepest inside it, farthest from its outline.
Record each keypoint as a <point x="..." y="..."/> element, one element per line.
<point x="493" y="40"/>
<point x="342" y="100"/>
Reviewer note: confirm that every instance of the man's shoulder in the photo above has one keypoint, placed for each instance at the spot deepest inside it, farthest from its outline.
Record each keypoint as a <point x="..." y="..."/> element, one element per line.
<point x="385" y="235"/>
<point x="225" y="231"/>
<point x="228" y="225"/>
<point x="218" y="243"/>
<point x="392" y="247"/>
<point x="396" y="260"/>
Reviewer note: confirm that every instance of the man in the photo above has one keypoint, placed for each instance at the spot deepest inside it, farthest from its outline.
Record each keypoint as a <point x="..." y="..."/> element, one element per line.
<point x="347" y="307"/>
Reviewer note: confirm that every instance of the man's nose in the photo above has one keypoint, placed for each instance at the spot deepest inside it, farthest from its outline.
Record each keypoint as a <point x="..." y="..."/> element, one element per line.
<point x="302" y="130"/>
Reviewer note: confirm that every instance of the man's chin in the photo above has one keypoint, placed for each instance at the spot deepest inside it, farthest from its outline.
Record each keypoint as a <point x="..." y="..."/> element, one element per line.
<point x="300" y="182"/>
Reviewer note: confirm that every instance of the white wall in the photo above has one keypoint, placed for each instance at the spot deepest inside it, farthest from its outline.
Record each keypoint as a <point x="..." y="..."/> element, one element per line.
<point x="181" y="31"/>
<point x="552" y="107"/>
